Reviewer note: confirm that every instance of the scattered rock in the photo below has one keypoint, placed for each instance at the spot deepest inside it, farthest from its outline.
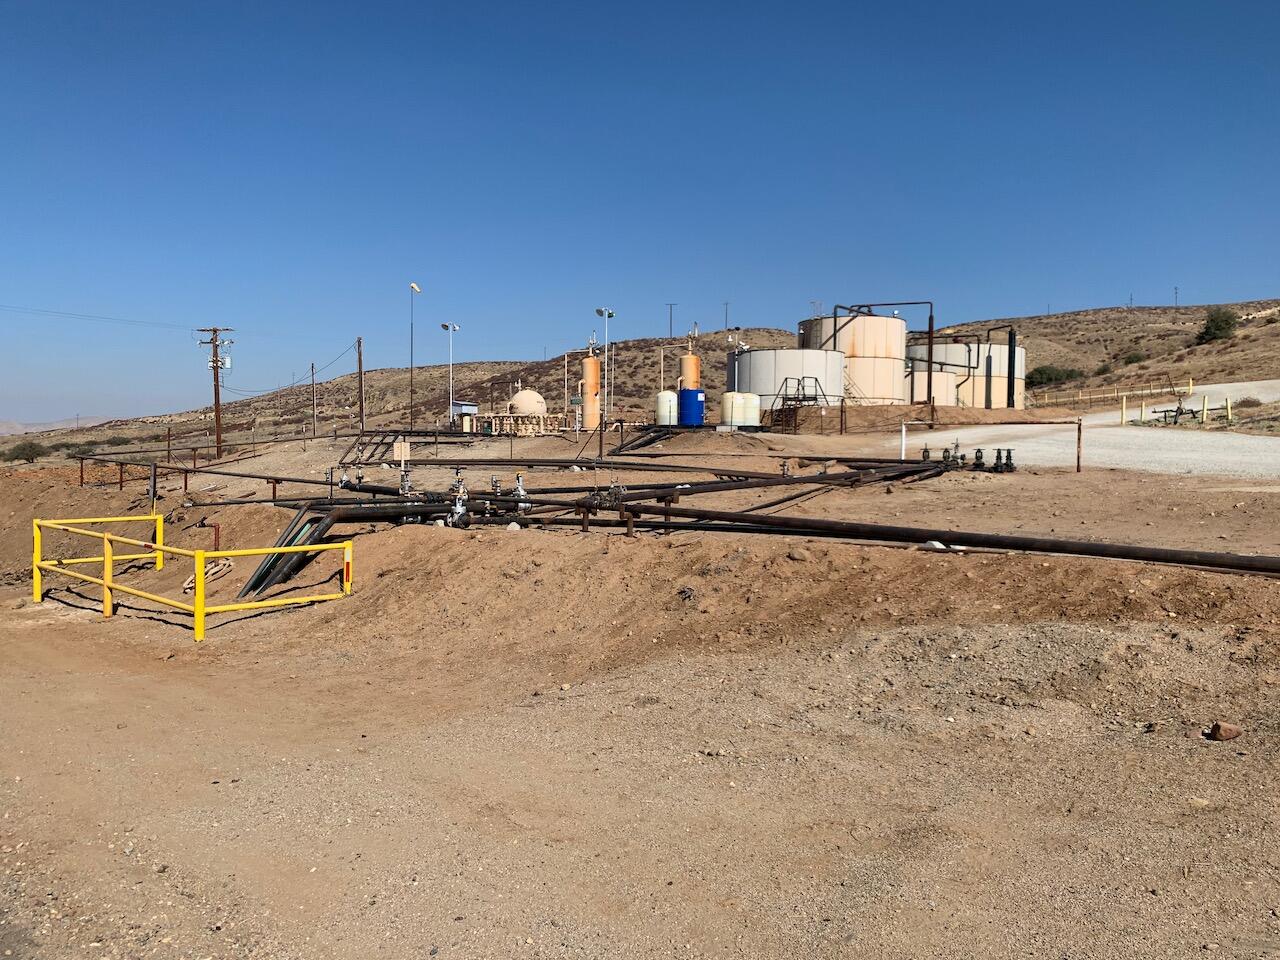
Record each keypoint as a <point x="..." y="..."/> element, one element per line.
<point x="686" y="593"/>
<point x="1221" y="730"/>
<point x="800" y="555"/>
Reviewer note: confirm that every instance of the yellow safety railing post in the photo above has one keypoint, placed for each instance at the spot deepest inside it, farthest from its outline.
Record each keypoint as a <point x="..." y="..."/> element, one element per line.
<point x="37" y="591"/>
<point x="199" y="602"/>
<point x="347" y="551"/>
<point x="106" y="575"/>
<point x="1228" y="411"/>
<point x="1204" y="409"/>
<point x="159" y="542"/>
<point x="1124" y="402"/>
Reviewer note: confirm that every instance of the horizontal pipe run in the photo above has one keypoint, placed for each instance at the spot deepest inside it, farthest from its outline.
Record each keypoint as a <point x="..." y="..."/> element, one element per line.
<point x="874" y="531"/>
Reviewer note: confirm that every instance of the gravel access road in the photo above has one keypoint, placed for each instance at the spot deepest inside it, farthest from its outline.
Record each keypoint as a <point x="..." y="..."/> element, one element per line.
<point x="1108" y="444"/>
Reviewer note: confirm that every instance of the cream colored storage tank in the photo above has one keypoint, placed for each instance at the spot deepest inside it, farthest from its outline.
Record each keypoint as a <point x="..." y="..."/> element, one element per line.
<point x="728" y="403"/>
<point x="666" y="408"/>
<point x="690" y="372"/>
<point x="807" y="374"/>
<point x="944" y="385"/>
<point x="527" y="403"/>
<point x="982" y="372"/>
<point x="751" y="415"/>
<point x="876" y="348"/>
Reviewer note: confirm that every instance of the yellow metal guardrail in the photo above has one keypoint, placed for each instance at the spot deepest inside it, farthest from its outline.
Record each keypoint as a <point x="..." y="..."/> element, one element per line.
<point x="156" y="550"/>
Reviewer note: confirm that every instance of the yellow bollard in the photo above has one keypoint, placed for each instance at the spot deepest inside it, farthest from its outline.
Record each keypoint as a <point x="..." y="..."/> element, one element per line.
<point x="36" y="583"/>
<point x="347" y="550"/>
<point x="159" y="542"/>
<point x="1204" y="409"/>
<point x="1123" y="409"/>
<point x="1142" y="412"/>
<point x="106" y="576"/>
<point x="1228" y="411"/>
<point x="198" y="603"/>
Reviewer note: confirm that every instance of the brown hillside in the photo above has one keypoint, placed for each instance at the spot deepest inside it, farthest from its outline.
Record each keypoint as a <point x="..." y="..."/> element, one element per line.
<point x="1163" y="337"/>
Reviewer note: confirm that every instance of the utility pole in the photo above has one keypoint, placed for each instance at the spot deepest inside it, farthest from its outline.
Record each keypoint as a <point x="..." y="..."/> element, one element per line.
<point x="1175" y="296"/>
<point x="726" y="316"/>
<point x="360" y="377"/>
<point x="215" y="343"/>
<point x="670" y="322"/>
<point x="313" y="401"/>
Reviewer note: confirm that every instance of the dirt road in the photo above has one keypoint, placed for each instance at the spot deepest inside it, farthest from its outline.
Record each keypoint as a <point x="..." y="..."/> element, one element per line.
<point x="550" y="744"/>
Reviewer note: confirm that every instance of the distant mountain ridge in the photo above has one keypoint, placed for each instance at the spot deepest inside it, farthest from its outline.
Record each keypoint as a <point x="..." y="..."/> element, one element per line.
<point x="10" y="428"/>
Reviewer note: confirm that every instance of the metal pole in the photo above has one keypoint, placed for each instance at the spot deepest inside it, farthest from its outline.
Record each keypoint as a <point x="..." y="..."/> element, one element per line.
<point x="1079" y="443"/>
<point x="726" y="315"/>
<point x="450" y="373"/>
<point x="928" y="373"/>
<point x="411" y="358"/>
<point x="902" y="447"/>
<point x="313" y="400"/>
<point x="670" y="321"/>
<point x="360" y="377"/>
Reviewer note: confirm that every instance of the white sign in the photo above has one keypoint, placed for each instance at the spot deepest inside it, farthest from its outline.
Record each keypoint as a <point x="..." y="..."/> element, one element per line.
<point x="400" y="450"/>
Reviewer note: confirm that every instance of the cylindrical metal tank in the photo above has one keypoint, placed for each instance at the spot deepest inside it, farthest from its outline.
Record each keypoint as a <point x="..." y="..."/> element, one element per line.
<point x="876" y="347"/>
<point x="691" y="408"/>
<point x="875" y="380"/>
<point x="982" y="372"/>
<point x="812" y="375"/>
<point x="527" y="403"/>
<point x="944" y="385"/>
<point x="751" y="414"/>
<point x="866" y="335"/>
<point x="666" y="408"/>
<point x="690" y="372"/>
<point x="589" y="391"/>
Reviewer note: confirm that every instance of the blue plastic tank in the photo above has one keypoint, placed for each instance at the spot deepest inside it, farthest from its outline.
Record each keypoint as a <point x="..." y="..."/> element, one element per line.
<point x="691" y="408"/>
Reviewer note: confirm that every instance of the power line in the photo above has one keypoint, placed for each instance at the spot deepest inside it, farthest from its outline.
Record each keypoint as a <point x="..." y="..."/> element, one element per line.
<point x="255" y="393"/>
<point x="96" y="318"/>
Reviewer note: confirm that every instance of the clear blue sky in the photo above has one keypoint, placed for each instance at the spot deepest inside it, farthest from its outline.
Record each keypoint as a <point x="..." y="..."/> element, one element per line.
<point x="287" y="169"/>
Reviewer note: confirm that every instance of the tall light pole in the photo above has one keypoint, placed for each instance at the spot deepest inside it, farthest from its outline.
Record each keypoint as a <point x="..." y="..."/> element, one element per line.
<point x="451" y="329"/>
<point x="414" y="290"/>
<point x="606" y="313"/>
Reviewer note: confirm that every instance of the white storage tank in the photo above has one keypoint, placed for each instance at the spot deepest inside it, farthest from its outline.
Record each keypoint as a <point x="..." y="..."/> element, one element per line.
<point x="982" y="372"/>
<point x="665" y="408"/>
<point x="727" y="400"/>
<point x="527" y="403"/>
<point x="751" y="413"/>
<point x="772" y="374"/>
<point x="876" y="348"/>
<point x="944" y="385"/>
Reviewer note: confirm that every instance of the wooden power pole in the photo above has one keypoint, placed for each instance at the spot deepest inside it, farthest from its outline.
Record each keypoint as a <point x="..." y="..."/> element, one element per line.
<point x="360" y="377"/>
<point x="215" y="343"/>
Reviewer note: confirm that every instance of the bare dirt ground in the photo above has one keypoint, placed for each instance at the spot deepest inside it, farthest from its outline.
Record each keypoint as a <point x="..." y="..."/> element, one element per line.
<point x="556" y="744"/>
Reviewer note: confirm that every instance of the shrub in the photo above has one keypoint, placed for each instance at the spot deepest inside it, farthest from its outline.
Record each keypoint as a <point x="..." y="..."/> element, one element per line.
<point x="1103" y="370"/>
<point x="115" y="441"/>
<point x="1134" y="357"/>
<point x="27" y="450"/>
<point x="1246" y="403"/>
<point x="1046" y="374"/>
<point x="1219" y="324"/>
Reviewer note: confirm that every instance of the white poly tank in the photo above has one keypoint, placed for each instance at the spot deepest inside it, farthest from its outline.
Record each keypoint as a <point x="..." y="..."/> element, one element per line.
<point x="665" y="408"/>
<point x="751" y="413"/>
<point x="726" y="407"/>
